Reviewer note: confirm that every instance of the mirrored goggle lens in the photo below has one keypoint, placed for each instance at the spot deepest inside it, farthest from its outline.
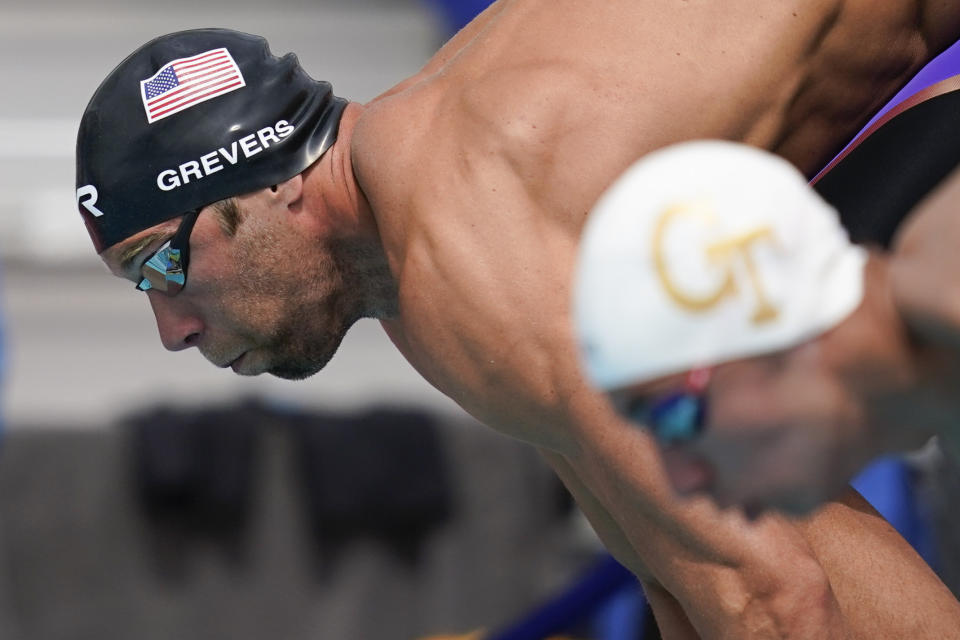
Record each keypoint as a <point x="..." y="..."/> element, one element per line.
<point x="163" y="271"/>
<point x="674" y="418"/>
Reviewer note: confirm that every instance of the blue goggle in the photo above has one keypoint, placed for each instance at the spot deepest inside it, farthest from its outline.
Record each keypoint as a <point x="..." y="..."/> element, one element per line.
<point x="675" y="417"/>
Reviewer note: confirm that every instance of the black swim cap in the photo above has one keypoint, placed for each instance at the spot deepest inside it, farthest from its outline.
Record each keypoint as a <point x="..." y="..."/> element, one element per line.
<point x="191" y="118"/>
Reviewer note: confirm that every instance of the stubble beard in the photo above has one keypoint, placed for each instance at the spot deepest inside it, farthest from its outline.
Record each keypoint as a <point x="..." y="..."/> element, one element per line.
<point x="302" y="359"/>
<point x="304" y="346"/>
<point x="357" y="286"/>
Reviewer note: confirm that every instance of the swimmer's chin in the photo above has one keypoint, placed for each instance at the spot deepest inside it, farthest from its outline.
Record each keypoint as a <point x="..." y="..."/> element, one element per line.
<point x="292" y="372"/>
<point x="302" y="365"/>
<point x="297" y="369"/>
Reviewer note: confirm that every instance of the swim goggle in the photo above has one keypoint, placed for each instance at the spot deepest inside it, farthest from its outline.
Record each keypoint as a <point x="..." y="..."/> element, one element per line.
<point x="166" y="270"/>
<point x="678" y="416"/>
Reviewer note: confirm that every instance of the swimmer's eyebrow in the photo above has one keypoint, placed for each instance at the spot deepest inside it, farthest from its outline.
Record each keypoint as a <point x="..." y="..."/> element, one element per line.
<point x="129" y="255"/>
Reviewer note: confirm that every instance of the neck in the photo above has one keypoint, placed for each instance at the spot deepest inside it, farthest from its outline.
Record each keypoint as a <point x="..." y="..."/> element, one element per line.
<point x="365" y="272"/>
<point x="349" y="222"/>
<point x="343" y="174"/>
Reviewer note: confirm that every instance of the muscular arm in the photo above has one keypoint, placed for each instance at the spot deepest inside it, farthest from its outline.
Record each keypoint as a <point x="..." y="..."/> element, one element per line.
<point x="842" y="573"/>
<point x="884" y="588"/>
<point x="706" y="572"/>
<point x="730" y="578"/>
<point x="671" y="619"/>
<point x="505" y="171"/>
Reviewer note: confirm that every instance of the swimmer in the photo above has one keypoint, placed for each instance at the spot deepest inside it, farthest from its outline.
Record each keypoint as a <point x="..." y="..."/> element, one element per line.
<point x="722" y="354"/>
<point x="450" y="208"/>
<point x="766" y="332"/>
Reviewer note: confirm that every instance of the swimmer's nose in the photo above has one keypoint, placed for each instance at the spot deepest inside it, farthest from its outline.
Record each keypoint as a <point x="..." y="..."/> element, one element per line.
<point x="179" y="328"/>
<point x="688" y="472"/>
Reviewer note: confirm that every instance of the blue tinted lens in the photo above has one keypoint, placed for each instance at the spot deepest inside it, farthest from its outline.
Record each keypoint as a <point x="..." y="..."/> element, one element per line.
<point x="678" y="417"/>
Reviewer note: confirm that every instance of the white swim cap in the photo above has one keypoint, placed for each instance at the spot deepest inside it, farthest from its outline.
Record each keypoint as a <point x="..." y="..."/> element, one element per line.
<point x="705" y="252"/>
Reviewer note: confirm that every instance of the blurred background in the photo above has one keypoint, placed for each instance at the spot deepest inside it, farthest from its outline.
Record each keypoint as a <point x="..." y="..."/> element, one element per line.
<point x="145" y="494"/>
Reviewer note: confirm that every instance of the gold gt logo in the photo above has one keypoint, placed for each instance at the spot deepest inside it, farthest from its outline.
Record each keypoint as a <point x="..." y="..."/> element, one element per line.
<point x="721" y="254"/>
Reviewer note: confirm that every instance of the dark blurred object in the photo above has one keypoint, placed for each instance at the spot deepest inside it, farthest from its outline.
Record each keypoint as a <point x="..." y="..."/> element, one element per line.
<point x="937" y="478"/>
<point x="379" y="474"/>
<point x="899" y="156"/>
<point x="3" y="367"/>
<point x="197" y="464"/>
<point x="194" y="474"/>
<point x="78" y="555"/>
<point x="455" y="14"/>
<point x="580" y="600"/>
<point x="877" y="184"/>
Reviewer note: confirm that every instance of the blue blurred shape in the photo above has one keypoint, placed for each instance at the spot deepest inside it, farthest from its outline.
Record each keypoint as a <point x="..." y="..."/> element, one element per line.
<point x="455" y="14"/>
<point x="888" y="484"/>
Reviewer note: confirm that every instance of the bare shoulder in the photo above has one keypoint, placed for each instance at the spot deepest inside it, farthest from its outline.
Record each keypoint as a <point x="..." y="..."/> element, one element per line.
<point x="526" y="111"/>
<point x="507" y="125"/>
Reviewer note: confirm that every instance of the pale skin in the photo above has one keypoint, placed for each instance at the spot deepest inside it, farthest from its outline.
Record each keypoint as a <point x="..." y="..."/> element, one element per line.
<point x="457" y="198"/>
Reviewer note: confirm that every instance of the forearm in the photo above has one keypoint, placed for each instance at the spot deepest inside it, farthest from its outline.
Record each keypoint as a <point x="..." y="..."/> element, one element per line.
<point x="606" y="528"/>
<point x="844" y="572"/>
<point x="670" y="616"/>
<point x="732" y="579"/>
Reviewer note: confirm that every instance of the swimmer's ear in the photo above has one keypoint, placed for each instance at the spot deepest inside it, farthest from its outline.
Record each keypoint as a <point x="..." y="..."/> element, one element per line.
<point x="289" y="191"/>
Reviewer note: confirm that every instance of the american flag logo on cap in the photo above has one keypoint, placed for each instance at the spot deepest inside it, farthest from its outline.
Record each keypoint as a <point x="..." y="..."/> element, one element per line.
<point x="186" y="82"/>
